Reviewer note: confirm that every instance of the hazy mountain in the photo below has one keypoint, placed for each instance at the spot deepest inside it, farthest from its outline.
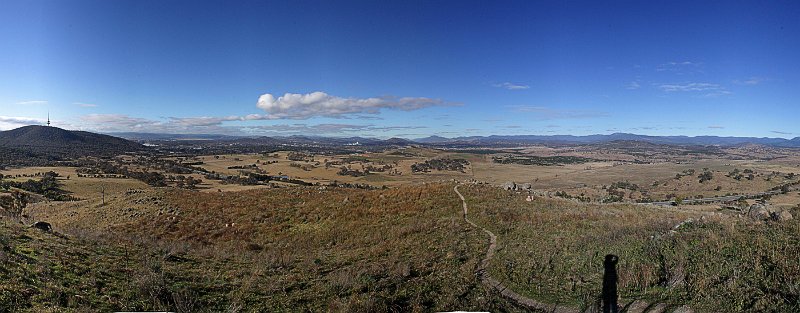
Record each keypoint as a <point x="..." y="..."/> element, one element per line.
<point x="674" y="140"/>
<point x="433" y="139"/>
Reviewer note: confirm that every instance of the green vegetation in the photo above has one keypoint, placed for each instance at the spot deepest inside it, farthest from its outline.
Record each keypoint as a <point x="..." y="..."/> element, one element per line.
<point x="49" y="272"/>
<point x="543" y="161"/>
<point x="46" y="186"/>
<point x="705" y="176"/>
<point x="458" y="165"/>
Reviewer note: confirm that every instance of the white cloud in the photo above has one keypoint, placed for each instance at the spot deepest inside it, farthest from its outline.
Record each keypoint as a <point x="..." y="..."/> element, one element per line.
<point x="32" y="102"/>
<point x="295" y="129"/>
<point x="716" y="127"/>
<point x="11" y="122"/>
<point x="203" y="121"/>
<point x="717" y="93"/>
<point x="709" y="89"/>
<point x="750" y="81"/>
<point x="632" y="85"/>
<point x="215" y="125"/>
<point x="689" y="87"/>
<point x="85" y="105"/>
<point x="20" y="120"/>
<point x="119" y="122"/>
<point x="511" y="86"/>
<point x="681" y="68"/>
<point x="320" y="104"/>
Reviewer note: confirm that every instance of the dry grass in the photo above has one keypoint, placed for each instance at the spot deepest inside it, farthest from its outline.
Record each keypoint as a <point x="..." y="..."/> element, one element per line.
<point x="553" y="250"/>
<point x="404" y="249"/>
<point x="80" y="187"/>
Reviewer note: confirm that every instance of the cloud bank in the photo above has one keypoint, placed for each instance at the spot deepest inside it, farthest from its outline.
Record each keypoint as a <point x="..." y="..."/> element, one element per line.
<point x="32" y="102"/>
<point x="215" y="125"/>
<point x="319" y="104"/>
<point x="709" y="89"/>
<point x="11" y="122"/>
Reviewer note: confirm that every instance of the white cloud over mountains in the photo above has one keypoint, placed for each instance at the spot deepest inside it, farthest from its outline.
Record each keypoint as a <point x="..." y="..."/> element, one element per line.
<point x="287" y="107"/>
<point x="11" y="122"/>
<point x="215" y="125"/>
<point x="319" y="104"/>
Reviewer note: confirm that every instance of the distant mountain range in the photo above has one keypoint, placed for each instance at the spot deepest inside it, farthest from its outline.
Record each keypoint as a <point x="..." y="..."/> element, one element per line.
<point x="476" y="140"/>
<point x="45" y="139"/>
<point x="569" y="139"/>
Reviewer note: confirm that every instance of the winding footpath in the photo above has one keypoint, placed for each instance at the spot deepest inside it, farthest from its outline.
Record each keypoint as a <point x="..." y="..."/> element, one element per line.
<point x="496" y="284"/>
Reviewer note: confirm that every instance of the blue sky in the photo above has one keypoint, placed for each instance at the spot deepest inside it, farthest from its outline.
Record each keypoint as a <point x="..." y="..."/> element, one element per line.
<point x="404" y="68"/>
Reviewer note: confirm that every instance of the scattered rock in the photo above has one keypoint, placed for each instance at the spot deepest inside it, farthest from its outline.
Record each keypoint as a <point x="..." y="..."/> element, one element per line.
<point x="637" y="306"/>
<point x="658" y="308"/>
<point x="526" y="186"/>
<point x="677" y="277"/>
<point x="758" y="212"/>
<point x="681" y="224"/>
<point x="44" y="226"/>
<point x="683" y="309"/>
<point x="510" y="186"/>
<point x="781" y="216"/>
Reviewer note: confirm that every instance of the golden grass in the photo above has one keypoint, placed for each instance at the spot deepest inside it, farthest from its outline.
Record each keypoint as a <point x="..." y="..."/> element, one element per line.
<point x="290" y="249"/>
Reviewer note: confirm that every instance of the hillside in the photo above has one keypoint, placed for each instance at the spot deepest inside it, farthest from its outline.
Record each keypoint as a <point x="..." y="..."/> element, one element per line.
<point x="50" y="272"/>
<point x="52" y="143"/>
<point x="294" y="249"/>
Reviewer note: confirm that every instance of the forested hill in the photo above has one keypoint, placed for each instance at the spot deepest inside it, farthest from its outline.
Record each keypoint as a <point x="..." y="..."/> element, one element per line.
<point x="45" y="142"/>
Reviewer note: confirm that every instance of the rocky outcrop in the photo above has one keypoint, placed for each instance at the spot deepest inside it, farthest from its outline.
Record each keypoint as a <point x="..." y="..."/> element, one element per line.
<point x="518" y="187"/>
<point x="781" y="216"/>
<point x="761" y="212"/>
<point x="758" y="212"/>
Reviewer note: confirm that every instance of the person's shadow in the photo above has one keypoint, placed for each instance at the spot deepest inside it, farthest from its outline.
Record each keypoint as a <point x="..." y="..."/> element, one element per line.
<point x="610" y="279"/>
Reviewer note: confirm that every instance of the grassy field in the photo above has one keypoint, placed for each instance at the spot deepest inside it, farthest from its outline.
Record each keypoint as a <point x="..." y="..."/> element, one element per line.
<point x="315" y="171"/>
<point x="80" y="187"/>
<point x="236" y="248"/>
<point x="553" y="250"/>
<point x="404" y="249"/>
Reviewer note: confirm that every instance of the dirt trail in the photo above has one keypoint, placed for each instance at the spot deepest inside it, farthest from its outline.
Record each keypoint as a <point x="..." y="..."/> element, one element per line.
<point x="496" y="284"/>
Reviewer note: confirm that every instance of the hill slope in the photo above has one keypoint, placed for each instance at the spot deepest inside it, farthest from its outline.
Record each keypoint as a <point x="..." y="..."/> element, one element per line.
<point x="55" y="143"/>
